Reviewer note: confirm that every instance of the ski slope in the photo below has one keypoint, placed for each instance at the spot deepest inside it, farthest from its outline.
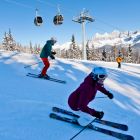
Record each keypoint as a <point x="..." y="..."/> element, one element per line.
<point x="25" y="102"/>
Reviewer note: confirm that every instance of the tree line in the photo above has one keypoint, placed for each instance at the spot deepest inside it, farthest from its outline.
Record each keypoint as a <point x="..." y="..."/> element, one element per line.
<point x="106" y="53"/>
<point x="9" y="44"/>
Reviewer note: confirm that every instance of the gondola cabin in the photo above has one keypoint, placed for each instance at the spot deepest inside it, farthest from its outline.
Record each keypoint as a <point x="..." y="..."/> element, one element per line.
<point x="58" y="20"/>
<point x="38" y="21"/>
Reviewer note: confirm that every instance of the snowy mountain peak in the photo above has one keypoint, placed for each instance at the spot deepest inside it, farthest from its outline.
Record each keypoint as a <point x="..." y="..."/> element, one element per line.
<point x="116" y="37"/>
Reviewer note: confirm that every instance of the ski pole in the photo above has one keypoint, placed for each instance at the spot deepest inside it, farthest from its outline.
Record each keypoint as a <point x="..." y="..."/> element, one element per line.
<point x="82" y="129"/>
<point x="101" y="97"/>
<point x="32" y="64"/>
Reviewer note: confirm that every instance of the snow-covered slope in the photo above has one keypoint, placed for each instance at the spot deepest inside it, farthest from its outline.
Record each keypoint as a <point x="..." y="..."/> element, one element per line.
<point x="25" y="103"/>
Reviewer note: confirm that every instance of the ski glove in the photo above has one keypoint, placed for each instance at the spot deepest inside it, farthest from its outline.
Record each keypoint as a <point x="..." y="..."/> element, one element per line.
<point x="99" y="114"/>
<point x="110" y="95"/>
<point x="53" y="52"/>
<point x="52" y="57"/>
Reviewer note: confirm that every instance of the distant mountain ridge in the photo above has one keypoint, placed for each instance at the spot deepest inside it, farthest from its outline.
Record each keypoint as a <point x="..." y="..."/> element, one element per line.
<point x="115" y="38"/>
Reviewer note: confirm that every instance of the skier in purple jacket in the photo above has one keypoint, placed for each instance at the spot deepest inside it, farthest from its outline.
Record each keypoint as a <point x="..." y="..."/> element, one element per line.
<point x="86" y="92"/>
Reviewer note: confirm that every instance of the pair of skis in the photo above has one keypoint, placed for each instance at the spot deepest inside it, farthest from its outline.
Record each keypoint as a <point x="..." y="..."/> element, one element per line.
<point x="50" y="78"/>
<point x="74" y="118"/>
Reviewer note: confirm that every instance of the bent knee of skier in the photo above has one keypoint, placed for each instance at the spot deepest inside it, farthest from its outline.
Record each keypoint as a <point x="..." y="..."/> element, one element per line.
<point x="73" y="106"/>
<point x="84" y="109"/>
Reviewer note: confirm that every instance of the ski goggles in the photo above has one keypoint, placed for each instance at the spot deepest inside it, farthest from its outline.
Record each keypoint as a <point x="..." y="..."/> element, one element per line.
<point x="102" y="76"/>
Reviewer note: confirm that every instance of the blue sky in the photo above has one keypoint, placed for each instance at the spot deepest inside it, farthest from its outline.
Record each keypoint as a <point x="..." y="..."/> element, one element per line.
<point x="109" y="15"/>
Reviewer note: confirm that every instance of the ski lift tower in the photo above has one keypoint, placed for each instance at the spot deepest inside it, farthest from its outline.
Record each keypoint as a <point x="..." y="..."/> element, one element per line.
<point x="84" y="16"/>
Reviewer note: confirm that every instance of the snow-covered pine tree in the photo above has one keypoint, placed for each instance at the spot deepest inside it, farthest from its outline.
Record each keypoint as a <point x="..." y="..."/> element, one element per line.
<point x="128" y="34"/>
<point x="5" y="44"/>
<point x="19" y="47"/>
<point x="130" y="60"/>
<point x="74" y="51"/>
<point x="90" y="52"/>
<point x="124" y="54"/>
<point x="136" y="55"/>
<point x="8" y="42"/>
<point x="12" y="42"/>
<point x="64" y="53"/>
<point x="31" y="47"/>
<point x="104" y="54"/>
<point x="93" y="54"/>
<point x="98" y="55"/>
<point x="73" y="39"/>
<point x="112" y="53"/>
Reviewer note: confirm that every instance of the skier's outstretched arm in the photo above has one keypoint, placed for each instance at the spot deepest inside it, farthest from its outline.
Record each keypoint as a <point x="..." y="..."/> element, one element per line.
<point x="106" y="92"/>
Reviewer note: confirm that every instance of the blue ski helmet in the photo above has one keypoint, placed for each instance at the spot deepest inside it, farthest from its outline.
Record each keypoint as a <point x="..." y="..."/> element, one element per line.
<point x="99" y="73"/>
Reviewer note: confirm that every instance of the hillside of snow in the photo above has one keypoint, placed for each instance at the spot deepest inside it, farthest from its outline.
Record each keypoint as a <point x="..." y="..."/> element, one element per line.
<point x="25" y="102"/>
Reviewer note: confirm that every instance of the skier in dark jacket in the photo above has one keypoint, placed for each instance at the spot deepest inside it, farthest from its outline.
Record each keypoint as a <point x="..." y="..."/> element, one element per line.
<point x="86" y="92"/>
<point x="45" y="53"/>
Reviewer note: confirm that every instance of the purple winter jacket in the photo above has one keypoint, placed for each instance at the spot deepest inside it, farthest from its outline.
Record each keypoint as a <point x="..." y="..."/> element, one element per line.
<point x="84" y="94"/>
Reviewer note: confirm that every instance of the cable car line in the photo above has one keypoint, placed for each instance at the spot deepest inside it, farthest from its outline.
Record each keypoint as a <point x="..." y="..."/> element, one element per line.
<point x="108" y="24"/>
<point x="20" y="4"/>
<point x="58" y="18"/>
